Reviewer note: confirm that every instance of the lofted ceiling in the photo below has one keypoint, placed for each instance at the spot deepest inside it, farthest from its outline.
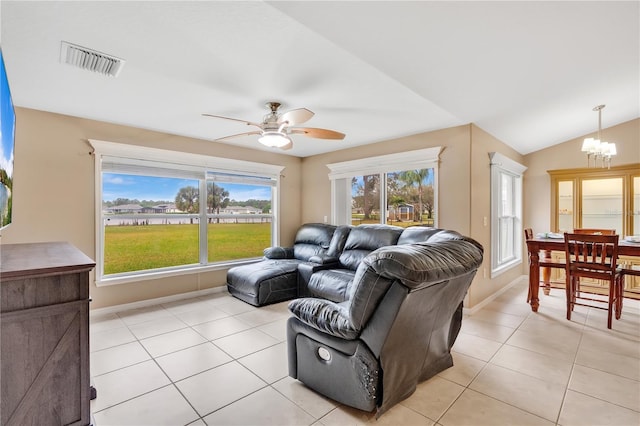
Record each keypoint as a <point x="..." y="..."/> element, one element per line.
<point x="529" y="73"/>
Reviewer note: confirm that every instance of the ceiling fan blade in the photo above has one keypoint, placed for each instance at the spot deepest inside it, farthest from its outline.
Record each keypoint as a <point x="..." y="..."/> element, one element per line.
<point x="318" y="133"/>
<point x="248" y="123"/>
<point x="296" y="116"/>
<point x="255" y="132"/>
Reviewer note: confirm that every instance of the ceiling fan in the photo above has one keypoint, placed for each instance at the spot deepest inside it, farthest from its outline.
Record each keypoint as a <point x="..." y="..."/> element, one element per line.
<point x="275" y="128"/>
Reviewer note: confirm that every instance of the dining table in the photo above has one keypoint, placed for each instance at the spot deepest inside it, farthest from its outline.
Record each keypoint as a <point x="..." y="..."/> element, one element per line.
<point x="547" y="245"/>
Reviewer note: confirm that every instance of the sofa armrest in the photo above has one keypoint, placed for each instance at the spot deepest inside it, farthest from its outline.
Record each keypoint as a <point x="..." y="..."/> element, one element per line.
<point x="324" y="259"/>
<point x="324" y="315"/>
<point x="278" y="253"/>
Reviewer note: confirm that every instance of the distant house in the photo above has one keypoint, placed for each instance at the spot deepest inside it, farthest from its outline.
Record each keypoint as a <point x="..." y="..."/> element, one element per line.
<point x="161" y="208"/>
<point x="124" y="208"/>
<point x="404" y="212"/>
<point x="240" y="210"/>
<point x="136" y="208"/>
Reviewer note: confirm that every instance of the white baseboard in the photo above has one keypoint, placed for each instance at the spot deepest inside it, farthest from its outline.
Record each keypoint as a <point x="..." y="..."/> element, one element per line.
<point x="156" y="301"/>
<point x="485" y="302"/>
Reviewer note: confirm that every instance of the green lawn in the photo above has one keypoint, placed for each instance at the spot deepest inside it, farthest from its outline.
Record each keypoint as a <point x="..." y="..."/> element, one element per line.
<point x="136" y="248"/>
<point x="142" y="247"/>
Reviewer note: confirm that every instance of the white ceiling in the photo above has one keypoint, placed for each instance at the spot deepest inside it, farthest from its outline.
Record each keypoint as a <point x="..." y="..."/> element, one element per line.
<point x="529" y="73"/>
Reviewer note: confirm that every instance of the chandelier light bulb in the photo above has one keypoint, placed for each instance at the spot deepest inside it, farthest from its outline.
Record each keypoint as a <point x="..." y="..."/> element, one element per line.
<point x="596" y="147"/>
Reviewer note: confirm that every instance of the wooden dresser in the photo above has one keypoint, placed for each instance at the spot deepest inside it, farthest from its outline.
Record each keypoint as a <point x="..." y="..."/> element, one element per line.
<point x="44" y="321"/>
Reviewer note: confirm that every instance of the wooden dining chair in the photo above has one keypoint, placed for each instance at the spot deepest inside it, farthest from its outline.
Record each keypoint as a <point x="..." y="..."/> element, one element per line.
<point x="593" y="256"/>
<point x="631" y="270"/>
<point x="595" y="231"/>
<point x="545" y="262"/>
<point x="528" y="234"/>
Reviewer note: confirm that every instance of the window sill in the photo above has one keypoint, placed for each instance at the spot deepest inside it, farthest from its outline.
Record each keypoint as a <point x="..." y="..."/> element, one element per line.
<point x="166" y="273"/>
<point x="504" y="268"/>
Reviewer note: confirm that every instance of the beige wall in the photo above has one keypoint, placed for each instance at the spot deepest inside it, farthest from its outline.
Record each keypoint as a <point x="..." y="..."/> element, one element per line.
<point x="482" y="144"/>
<point x="54" y="186"/>
<point x="55" y="201"/>
<point x="463" y="192"/>
<point x="453" y="173"/>
<point x="567" y="155"/>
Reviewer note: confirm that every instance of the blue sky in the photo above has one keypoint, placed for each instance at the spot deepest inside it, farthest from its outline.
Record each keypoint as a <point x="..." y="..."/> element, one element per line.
<point x="7" y="121"/>
<point x="165" y="189"/>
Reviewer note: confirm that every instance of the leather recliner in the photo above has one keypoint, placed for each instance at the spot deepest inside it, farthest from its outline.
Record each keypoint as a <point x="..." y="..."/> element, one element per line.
<point x="394" y="327"/>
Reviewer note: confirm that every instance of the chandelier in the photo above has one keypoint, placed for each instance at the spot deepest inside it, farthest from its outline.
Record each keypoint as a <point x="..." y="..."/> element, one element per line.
<point x="597" y="147"/>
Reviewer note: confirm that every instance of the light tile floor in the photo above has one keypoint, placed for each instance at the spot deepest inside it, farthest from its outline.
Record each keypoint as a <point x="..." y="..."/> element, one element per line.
<point x="215" y="360"/>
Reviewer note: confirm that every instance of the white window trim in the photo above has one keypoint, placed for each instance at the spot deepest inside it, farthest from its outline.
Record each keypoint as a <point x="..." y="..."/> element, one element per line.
<point x="133" y="155"/>
<point x="342" y="172"/>
<point x="501" y="164"/>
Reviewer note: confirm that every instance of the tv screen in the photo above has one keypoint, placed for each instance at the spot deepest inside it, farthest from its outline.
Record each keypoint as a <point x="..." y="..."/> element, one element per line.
<point x="7" y="134"/>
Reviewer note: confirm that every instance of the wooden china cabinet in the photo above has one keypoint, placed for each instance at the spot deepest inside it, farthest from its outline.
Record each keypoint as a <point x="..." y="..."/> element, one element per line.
<point x="597" y="197"/>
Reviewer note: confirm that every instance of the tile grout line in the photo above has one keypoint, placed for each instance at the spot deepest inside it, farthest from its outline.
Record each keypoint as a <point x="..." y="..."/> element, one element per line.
<point x="582" y="329"/>
<point x="174" y="383"/>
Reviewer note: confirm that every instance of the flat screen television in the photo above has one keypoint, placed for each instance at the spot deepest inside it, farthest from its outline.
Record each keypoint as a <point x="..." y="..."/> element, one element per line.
<point x="7" y="146"/>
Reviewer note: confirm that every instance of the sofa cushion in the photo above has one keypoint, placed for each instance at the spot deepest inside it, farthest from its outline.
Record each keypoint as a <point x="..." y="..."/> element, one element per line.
<point x="417" y="234"/>
<point x="312" y="239"/>
<point x="338" y="240"/>
<point x="364" y="239"/>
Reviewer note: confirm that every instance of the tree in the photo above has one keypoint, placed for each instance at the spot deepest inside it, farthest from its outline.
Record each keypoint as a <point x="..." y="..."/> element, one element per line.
<point x="217" y="198"/>
<point x="429" y="201"/>
<point x="418" y="178"/>
<point x="366" y="195"/>
<point x="263" y="205"/>
<point x="123" y="201"/>
<point x="187" y="199"/>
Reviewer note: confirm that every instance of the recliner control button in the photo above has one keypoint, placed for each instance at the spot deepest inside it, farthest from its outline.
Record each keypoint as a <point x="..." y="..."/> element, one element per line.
<point x="324" y="354"/>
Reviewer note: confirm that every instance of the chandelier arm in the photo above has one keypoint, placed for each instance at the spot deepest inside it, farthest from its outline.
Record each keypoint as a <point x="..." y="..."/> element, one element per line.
<point x="598" y="148"/>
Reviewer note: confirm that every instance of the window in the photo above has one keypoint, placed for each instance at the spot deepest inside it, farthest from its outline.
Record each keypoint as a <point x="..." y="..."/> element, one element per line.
<point x="239" y="217"/>
<point x="162" y="212"/>
<point x="144" y="227"/>
<point x="398" y="189"/>
<point x="506" y="213"/>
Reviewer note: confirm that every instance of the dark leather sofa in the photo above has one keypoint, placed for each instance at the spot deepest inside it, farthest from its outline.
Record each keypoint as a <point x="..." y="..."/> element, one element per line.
<point x="378" y="308"/>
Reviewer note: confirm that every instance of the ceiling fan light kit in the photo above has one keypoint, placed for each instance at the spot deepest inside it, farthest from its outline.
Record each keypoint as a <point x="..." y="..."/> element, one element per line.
<point x="275" y="128"/>
<point x="274" y="139"/>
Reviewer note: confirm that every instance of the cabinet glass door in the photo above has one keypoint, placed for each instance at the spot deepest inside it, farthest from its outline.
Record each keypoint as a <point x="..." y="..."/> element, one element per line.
<point x="602" y="204"/>
<point x="565" y="206"/>
<point x="635" y="206"/>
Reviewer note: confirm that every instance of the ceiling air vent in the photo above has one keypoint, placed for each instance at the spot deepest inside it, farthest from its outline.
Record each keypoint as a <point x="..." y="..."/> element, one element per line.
<point x="90" y="60"/>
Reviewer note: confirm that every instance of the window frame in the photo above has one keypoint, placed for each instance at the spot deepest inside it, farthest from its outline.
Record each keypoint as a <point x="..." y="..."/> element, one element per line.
<point x="341" y="173"/>
<point x="500" y="166"/>
<point x="182" y="164"/>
